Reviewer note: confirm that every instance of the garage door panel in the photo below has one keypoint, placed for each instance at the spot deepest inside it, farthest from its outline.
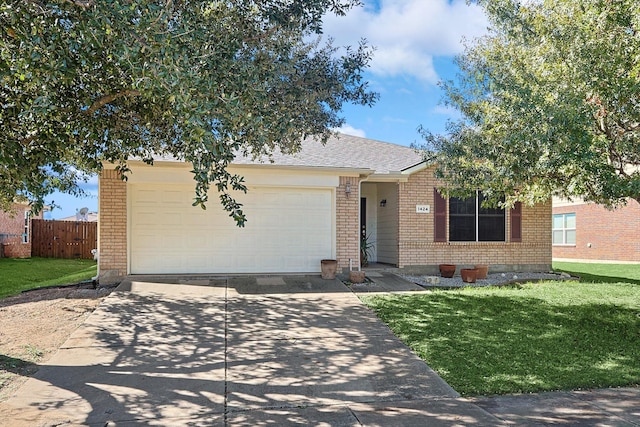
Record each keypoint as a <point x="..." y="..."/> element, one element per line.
<point x="196" y="263"/>
<point x="172" y="197"/>
<point x="146" y="197"/>
<point x="146" y="241"/>
<point x="288" y="230"/>
<point x="171" y="219"/>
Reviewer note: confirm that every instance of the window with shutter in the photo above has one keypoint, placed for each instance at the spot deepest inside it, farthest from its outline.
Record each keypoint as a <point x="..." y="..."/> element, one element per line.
<point x="469" y="221"/>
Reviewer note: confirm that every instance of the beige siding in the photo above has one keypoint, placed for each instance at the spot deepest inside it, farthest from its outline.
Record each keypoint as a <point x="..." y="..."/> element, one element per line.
<point x="388" y="224"/>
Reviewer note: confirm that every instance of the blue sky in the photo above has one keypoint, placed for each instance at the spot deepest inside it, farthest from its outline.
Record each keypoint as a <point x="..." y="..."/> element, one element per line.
<point x="416" y="42"/>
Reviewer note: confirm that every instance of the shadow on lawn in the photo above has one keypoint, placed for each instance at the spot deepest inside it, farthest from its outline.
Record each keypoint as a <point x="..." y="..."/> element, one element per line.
<point x="490" y="344"/>
<point x="594" y="278"/>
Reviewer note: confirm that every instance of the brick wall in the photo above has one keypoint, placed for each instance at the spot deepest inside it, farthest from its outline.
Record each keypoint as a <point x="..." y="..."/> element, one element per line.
<point x="601" y="234"/>
<point x="418" y="251"/>
<point x="11" y="230"/>
<point x="347" y="223"/>
<point x="112" y="228"/>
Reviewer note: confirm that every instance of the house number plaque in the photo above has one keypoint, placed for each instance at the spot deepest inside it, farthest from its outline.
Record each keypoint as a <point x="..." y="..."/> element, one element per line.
<point x="423" y="209"/>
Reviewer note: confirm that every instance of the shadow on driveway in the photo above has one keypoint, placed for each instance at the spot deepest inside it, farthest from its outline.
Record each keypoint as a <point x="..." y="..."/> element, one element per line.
<point x="272" y="350"/>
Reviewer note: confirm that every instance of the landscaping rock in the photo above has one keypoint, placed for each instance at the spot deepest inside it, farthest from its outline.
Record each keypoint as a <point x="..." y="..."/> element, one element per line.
<point x="492" y="279"/>
<point x="432" y="280"/>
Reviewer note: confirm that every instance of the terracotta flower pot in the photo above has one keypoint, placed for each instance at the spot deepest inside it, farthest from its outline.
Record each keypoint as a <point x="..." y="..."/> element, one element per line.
<point x="447" y="270"/>
<point x="329" y="268"/>
<point x="356" y="276"/>
<point x="469" y="275"/>
<point x="483" y="270"/>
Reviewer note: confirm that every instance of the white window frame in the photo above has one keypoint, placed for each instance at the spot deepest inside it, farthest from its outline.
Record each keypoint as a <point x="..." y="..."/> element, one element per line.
<point x="27" y="224"/>
<point x="564" y="229"/>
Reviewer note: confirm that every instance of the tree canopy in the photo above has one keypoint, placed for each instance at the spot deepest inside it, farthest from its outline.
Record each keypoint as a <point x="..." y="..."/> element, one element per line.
<point x="84" y="82"/>
<point x="550" y="103"/>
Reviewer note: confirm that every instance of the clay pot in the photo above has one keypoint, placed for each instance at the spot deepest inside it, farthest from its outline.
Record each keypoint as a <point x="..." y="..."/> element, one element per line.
<point x="469" y="275"/>
<point x="483" y="270"/>
<point x="356" y="276"/>
<point x="328" y="268"/>
<point x="447" y="270"/>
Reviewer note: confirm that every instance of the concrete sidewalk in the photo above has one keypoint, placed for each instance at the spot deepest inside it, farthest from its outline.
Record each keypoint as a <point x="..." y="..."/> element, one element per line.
<point x="277" y="350"/>
<point x="603" y="407"/>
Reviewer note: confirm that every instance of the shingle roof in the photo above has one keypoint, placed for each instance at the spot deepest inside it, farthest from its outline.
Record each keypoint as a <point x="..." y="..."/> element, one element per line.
<point x="345" y="151"/>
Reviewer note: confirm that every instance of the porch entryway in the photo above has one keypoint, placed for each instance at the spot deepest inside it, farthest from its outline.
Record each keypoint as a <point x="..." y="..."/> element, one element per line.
<point x="379" y="221"/>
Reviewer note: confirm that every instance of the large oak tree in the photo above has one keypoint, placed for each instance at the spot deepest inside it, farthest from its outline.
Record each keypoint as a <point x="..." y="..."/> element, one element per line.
<point x="89" y="81"/>
<point x="550" y="103"/>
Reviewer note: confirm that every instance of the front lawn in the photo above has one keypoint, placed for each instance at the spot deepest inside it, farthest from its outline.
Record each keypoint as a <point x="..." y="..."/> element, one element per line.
<point x="17" y="275"/>
<point x="527" y="338"/>
<point x="597" y="273"/>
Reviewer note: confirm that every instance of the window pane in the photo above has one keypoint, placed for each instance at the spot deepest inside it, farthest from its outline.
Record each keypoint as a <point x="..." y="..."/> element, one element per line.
<point x="570" y="221"/>
<point x="571" y="237"/>
<point x="558" y="222"/>
<point x="489" y="211"/>
<point x="462" y="206"/>
<point x="462" y="220"/>
<point x="491" y="223"/>
<point x="462" y="228"/>
<point x="491" y="228"/>
<point x="558" y="237"/>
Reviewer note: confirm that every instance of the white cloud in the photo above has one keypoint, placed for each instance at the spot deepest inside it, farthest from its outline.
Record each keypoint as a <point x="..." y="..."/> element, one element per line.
<point x="407" y="34"/>
<point x="389" y="119"/>
<point x="350" y="130"/>
<point x="446" y="111"/>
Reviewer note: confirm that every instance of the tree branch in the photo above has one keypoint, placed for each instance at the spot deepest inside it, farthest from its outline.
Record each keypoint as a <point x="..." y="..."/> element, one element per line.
<point x="101" y="102"/>
<point x="28" y="140"/>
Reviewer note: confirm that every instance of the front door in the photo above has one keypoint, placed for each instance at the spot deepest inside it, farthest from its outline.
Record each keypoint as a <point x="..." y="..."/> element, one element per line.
<point x="363" y="217"/>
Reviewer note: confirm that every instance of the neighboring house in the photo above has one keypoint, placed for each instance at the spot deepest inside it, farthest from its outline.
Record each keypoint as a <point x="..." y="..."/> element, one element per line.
<point x="15" y="231"/>
<point x="589" y="232"/>
<point x="307" y="207"/>
<point x="84" y="217"/>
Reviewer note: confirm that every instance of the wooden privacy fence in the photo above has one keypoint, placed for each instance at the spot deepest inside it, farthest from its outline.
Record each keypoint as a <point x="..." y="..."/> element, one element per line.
<point x="63" y="239"/>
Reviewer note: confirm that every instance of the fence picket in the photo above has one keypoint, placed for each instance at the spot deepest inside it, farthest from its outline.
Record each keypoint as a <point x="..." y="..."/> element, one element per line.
<point x="63" y="239"/>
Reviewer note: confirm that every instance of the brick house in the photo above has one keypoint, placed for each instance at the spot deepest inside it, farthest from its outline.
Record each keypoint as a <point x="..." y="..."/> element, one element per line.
<point x="589" y="232"/>
<point x="15" y="231"/>
<point x="305" y="207"/>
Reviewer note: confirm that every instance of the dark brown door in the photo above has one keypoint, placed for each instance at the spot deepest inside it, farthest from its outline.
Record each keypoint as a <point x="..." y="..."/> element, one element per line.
<point x="363" y="217"/>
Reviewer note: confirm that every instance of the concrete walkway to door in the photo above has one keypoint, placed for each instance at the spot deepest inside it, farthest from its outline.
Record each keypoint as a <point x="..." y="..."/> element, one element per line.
<point x="258" y="351"/>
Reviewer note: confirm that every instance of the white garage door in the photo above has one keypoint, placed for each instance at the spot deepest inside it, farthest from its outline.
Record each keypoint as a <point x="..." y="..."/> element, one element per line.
<point x="288" y="230"/>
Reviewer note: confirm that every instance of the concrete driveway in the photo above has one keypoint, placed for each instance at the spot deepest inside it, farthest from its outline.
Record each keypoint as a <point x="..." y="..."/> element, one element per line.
<point x="259" y="351"/>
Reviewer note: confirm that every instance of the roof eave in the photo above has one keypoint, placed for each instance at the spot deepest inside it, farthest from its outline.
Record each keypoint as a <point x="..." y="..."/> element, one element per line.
<point x="388" y="177"/>
<point x="334" y="169"/>
<point x="324" y="169"/>
<point x="416" y="168"/>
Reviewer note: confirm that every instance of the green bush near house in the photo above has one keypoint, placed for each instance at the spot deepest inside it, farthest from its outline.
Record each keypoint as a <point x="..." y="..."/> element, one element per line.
<point x="17" y="275"/>
<point x="527" y="338"/>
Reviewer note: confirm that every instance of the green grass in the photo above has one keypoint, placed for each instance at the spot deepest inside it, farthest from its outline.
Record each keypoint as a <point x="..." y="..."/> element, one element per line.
<point x="601" y="273"/>
<point x="529" y="338"/>
<point x="17" y="275"/>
